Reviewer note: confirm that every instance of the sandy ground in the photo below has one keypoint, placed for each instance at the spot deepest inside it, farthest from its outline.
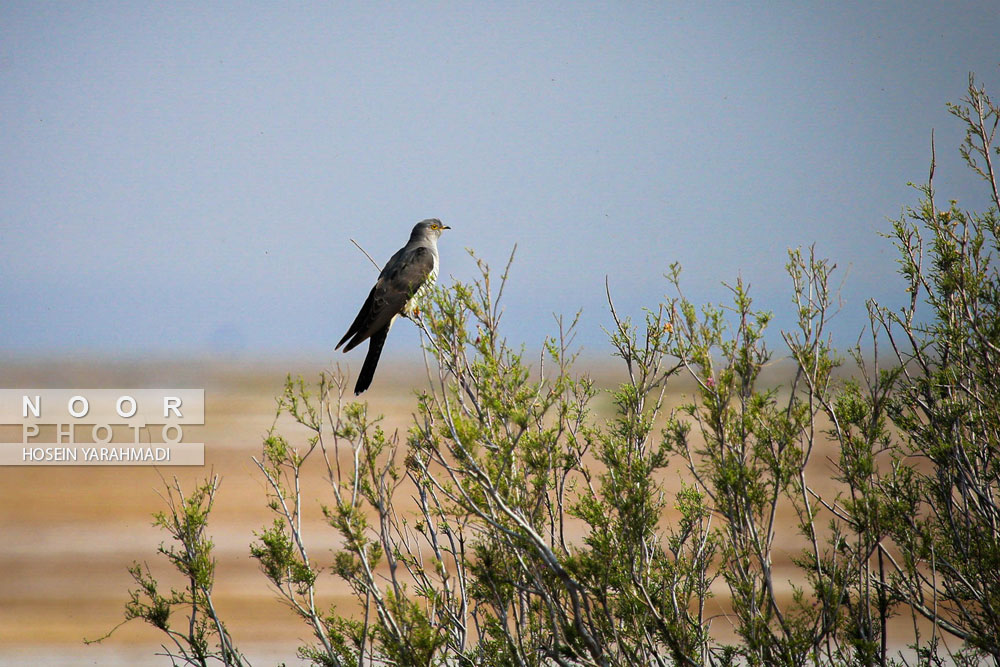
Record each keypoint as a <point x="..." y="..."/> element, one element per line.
<point x="70" y="532"/>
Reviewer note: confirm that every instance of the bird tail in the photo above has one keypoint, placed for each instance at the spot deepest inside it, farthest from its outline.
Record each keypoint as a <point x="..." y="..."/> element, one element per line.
<point x="359" y="325"/>
<point x="375" y="344"/>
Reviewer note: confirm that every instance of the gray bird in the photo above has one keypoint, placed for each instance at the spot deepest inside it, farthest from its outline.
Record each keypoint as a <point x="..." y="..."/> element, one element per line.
<point x="412" y="268"/>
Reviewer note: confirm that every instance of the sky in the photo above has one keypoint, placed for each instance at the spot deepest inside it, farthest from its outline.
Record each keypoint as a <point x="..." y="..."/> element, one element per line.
<point x="184" y="179"/>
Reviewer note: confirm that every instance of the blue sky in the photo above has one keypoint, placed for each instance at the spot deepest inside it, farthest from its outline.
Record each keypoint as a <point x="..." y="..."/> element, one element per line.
<point x="184" y="178"/>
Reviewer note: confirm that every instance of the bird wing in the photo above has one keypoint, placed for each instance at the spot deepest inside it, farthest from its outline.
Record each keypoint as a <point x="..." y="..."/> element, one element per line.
<point x="402" y="276"/>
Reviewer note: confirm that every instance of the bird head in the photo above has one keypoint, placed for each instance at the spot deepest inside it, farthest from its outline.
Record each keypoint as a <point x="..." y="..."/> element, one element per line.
<point x="431" y="227"/>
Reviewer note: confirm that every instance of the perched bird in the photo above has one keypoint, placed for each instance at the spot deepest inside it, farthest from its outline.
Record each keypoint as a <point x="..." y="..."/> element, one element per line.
<point x="413" y="267"/>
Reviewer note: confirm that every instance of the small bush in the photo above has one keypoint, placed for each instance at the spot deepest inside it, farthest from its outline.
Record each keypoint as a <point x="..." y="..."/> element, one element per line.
<point x="540" y="535"/>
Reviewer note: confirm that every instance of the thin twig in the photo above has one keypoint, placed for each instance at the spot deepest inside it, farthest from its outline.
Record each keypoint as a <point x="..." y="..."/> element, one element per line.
<point x="367" y="255"/>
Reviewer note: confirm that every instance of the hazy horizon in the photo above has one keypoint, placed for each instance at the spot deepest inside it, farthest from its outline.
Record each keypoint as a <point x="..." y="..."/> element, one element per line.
<point x="184" y="179"/>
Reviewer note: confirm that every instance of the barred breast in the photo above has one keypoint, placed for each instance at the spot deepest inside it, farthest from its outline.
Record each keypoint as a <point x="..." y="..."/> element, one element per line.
<point x="411" y="305"/>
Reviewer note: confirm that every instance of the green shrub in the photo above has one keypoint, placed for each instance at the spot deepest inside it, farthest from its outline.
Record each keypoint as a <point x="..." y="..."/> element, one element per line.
<point x="540" y="535"/>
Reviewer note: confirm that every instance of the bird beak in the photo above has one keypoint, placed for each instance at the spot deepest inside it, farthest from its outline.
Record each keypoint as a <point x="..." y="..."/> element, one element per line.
<point x="445" y="227"/>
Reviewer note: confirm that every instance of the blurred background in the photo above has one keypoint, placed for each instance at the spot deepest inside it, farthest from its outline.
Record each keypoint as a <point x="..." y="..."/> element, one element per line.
<point x="180" y="182"/>
<point x="184" y="178"/>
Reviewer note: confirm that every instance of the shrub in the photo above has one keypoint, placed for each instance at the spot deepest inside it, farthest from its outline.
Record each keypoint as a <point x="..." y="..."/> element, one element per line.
<point x="540" y="535"/>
